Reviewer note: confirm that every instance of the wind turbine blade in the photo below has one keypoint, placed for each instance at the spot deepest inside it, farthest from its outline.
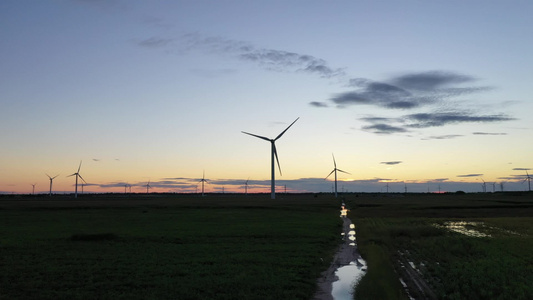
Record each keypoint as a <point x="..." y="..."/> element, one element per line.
<point x="79" y="167"/>
<point x="286" y="129"/>
<point x="82" y="178"/>
<point x="48" y="176"/>
<point x="72" y="174"/>
<point x="257" y="136"/>
<point x="343" y="172"/>
<point x="329" y="174"/>
<point x="334" y="162"/>
<point x="55" y="176"/>
<point x="277" y="160"/>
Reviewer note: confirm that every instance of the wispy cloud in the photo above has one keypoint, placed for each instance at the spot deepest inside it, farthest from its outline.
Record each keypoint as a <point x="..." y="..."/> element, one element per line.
<point x="470" y="175"/>
<point x="521" y="169"/>
<point x="405" y="123"/>
<point x="155" y="42"/>
<point x="424" y="120"/>
<point x="489" y="133"/>
<point x="384" y="129"/>
<point x="318" y="104"/>
<point x="270" y="59"/>
<point x="391" y="162"/>
<point x="442" y="137"/>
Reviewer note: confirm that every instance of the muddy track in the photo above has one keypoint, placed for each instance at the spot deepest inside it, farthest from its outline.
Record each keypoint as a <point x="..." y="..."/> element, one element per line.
<point x="343" y="257"/>
<point x="415" y="285"/>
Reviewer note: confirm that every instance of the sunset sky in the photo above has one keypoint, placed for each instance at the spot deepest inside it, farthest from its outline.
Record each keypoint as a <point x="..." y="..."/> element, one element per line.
<point x="416" y="94"/>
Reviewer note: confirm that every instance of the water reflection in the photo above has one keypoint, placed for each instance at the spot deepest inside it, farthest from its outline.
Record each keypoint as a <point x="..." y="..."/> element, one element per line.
<point x="353" y="268"/>
<point x="466" y="228"/>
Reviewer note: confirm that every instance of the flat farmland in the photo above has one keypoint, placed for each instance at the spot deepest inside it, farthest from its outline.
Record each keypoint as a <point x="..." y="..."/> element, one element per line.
<point x="171" y="246"/>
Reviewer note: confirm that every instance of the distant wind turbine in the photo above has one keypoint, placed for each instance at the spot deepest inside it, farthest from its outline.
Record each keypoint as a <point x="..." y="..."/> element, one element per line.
<point x="202" y="181"/>
<point x="33" y="188"/>
<point x="77" y="174"/>
<point x="148" y="187"/>
<point x="273" y="155"/>
<point x="528" y="179"/>
<point x="484" y="185"/>
<point x="335" y="171"/>
<point x="51" y="179"/>
<point x="246" y="186"/>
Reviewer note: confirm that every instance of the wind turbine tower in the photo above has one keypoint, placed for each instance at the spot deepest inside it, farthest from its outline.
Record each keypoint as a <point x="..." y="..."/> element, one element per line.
<point x="77" y="174"/>
<point x="33" y="188"/>
<point x="51" y="179"/>
<point x="335" y="171"/>
<point x="274" y="155"/>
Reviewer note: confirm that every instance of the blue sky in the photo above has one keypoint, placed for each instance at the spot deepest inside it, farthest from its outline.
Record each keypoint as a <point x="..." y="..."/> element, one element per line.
<point x="416" y="93"/>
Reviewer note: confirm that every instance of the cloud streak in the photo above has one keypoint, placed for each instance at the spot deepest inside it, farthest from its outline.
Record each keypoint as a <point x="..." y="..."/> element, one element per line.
<point x="270" y="59"/>
<point x="391" y="162"/>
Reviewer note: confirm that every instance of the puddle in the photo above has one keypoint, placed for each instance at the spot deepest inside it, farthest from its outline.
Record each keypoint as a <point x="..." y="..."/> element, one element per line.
<point x="348" y="274"/>
<point x="465" y="227"/>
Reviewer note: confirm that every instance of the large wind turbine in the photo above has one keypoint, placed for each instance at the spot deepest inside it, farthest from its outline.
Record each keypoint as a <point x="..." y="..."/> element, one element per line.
<point x="77" y="174"/>
<point x="274" y="154"/>
<point x="335" y="171"/>
<point x="51" y="179"/>
<point x="202" y="181"/>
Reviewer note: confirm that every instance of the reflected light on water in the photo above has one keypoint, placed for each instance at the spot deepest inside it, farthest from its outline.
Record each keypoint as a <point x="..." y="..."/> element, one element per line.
<point x="466" y="228"/>
<point x="348" y="275"/>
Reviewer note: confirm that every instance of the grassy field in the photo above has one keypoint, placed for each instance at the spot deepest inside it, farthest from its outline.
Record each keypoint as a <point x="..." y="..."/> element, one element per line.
<point x="397" y="234"/>
<point x="165" y="247"/>
<point x="236" y="247"/>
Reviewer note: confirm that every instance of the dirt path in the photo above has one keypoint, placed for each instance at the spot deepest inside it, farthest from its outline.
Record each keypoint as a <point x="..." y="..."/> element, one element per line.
<point x="347" y="253"/>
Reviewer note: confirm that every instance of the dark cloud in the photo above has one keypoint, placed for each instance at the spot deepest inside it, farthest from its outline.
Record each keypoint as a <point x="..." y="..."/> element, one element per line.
<point x="391" y="162"/>
<point x="407" y="91"/>
<point x="318" y="104"/>
<point x="430" y="81"/>
<point x="384" y="129"/>
<point x="489" y="133"/>
<point x="470" y="175"/>
<point x="521" y="169"/>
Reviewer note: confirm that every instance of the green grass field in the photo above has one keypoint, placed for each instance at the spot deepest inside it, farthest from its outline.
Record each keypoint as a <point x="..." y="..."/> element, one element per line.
<point x="166" y="248"/>
<point x="396" y="231"/>
<point x="237" y="247"/>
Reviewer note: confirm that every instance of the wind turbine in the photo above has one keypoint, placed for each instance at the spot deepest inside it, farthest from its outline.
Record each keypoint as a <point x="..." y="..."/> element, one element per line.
<point x="33" y="188"/>
<point x="246" y="186"/>
<point x="484" y="185"/>
<point x="335" y="171"/>
<point x="77" y="174"/>
<point x="273" y="155"/>
<point x="528" y="179"/>
<point x="148" y="187"/>
<point x="202" y="181"/>
<point x="51" y="179"/>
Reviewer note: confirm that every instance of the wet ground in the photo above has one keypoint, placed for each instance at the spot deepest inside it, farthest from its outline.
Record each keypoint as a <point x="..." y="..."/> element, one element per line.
<point x="347" y="268"/>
